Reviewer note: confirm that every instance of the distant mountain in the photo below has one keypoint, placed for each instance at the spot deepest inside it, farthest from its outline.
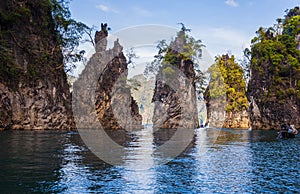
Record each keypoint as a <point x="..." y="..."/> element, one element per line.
<point x="143" y="96"/>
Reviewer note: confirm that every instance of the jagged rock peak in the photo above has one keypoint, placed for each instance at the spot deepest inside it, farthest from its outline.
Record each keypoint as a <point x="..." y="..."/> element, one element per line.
<point x="109" y="101"/>
<point x="174" y="94"/>
<point x="101" y="38"/>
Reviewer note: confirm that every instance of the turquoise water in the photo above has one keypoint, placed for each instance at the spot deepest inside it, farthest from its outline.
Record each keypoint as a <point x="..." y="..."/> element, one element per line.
<point x="235" y="161"/>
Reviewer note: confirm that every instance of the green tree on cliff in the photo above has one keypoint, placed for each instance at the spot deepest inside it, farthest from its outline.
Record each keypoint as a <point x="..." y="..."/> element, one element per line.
<point x="233" y="85"/>
<point x="54" y="22"/>
<point x="275" y="57"/>
<point x="172" y="54"/>
<point x="69" y="32"/>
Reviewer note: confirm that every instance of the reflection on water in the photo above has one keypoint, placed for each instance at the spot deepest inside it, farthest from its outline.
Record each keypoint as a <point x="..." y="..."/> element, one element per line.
<point x="223" y="161"/>
<point x="72" y="175"/>
<point x="139" y="174"/>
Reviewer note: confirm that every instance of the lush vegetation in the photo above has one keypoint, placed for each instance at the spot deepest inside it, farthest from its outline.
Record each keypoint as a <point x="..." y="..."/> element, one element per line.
<point x="35" y="34"/>
<point x="184" y="48"/>
<point x="226" y="78"/>
<point x="275" y="59"/>
<point x="68" y="31"/>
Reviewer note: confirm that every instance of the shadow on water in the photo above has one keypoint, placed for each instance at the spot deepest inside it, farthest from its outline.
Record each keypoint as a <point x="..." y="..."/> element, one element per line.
<point x="27" y="158"/>
<point x="216" y="160"/>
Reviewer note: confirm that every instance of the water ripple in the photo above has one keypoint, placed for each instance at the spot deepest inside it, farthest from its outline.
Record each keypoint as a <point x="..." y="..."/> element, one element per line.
<point x="236" y="162"/>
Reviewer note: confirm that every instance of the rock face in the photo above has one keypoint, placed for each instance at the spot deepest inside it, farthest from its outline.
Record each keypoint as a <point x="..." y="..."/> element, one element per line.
<point x="274" y="85"/>
<point x="216" y="109"/>
<point x="34" y="93"/>
<point x="174" y="94"/>
<point x="106" y="73"/>
<point x="269" y="111"/>
<point x="239" y="120"/>
<point x="226" y="101"/>
<point x="35" y="108"/>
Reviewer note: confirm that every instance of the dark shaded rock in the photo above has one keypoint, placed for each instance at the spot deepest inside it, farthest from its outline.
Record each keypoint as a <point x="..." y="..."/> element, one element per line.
<point x="34" y="93"/>
<point x="174" y="94"/>
<point x="274" y="85"/>
<point x="272" y="112"/>
<point x="116" y="108"/>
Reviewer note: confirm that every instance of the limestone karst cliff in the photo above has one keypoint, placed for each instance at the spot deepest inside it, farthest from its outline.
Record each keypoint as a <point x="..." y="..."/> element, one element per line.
<point x="102" y="90"/>
<point x="274" y="86"/>
<point x="34" y="93"/>
<point x="226" y="101"/>
<point x="174" y="93"/>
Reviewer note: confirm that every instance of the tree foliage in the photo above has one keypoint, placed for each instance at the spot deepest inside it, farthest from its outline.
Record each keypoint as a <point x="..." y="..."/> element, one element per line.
<point x="183" y="48"/>
<point x="131" y="56"/>
<point x="276" y="59"/>
<point x="245" y="64"/>
<point x="39" y="29"/>
<point x="226" y="78"/>
<point x="69" y="32"/>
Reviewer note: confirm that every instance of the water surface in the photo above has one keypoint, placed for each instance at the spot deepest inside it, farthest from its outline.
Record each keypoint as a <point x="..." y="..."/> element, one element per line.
<point x="235" y="161"/>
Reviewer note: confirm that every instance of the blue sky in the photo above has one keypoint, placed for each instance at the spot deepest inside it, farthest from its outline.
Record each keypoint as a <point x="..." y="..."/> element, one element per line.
<point x="223" y="25"/>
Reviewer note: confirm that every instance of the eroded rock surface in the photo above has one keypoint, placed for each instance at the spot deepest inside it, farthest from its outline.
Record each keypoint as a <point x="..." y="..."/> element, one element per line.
<point x="174" y="93"/>
<point x="34" y="93"/>
<point x="101" y="92"/>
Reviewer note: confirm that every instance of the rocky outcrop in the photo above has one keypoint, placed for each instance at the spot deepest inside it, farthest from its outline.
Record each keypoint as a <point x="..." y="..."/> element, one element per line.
<point x="174" y="94"/>
<point x="237" y="120"/>
<point x="215" y="107"/>
<point x="34" y="93"/>
<point x="35" y="108"/>
<point x="274" y="85"/>
<point x="271" y="113"/>
<point x="270" y="108"/>
<point x="109" y="100"/>
<point x="226" y="101"/>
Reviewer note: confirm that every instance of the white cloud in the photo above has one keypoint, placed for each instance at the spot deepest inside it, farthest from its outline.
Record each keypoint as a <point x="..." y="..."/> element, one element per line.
<point x="102" y="8"/>
<point x="232" y="3"/>
<point x="145" y="52"/>
<point x="105" y="8"/>
<point x="219" y="41"/>
<point x="145" y="55"/>
<point x="142" y="12"/>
